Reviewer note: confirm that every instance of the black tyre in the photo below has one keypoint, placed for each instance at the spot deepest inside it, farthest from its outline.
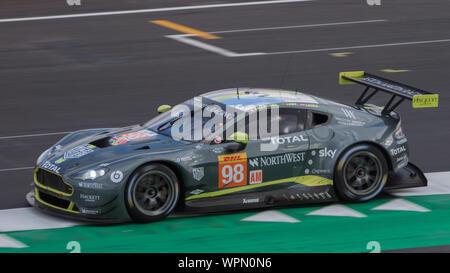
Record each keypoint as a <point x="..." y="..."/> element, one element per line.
<point x="360" y="174"/>
<point x="151" y="193"/>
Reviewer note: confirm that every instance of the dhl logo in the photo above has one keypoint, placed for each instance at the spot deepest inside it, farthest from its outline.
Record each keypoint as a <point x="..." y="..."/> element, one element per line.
<point x="232" y="157"/>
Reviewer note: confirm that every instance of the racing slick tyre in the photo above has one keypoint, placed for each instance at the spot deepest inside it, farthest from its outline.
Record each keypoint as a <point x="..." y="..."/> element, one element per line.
<point x="360" y="174"/>
<point x="151" y="193"/>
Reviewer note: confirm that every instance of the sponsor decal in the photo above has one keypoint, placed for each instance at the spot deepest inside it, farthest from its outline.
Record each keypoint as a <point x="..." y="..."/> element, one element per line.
<point x="388" y="85"/>
<point x="348" y="122"/>
<point x="253" y="162"/>
<point x="197" y="191"/>
<point x="256" y="177"/>
<point x="89" y="197"/>
<point x="348" y="113"/>
<point x="232" y="170"/>
<point x="402" y="161"/>
<point x="133" y="136"/>
<point x="288" y="139"/>
<point x="327" y="153"/>
<point x="250" y="201"/>
<point x="282" y="159"/>
<point x="198" y="173"/>
<point x="88" y="185"/>
<point x="51" y="167"/>
<point x="388" y="141"/>
<point x="320" y="171"/>
<point x="218" y="150"/>
<point x="402" y="158"/>
<point x="185" y="158"/>
<point x="217" y="139"/>
<point x="79" y="151"/>
<point x="60" y="160"/>
<point x="309" y="105"/>
<point x="398" y="150"/>
<point x="116" y="176"/>
<point x="89" y="211"/>
<point x="422" y="101"/>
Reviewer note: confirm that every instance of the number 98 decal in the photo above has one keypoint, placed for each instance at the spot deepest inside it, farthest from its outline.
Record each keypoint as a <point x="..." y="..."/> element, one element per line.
<point x="232" y="170"/>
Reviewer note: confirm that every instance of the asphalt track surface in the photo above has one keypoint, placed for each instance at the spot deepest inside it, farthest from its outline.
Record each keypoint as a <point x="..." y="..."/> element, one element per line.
<point x="64" y="74"/>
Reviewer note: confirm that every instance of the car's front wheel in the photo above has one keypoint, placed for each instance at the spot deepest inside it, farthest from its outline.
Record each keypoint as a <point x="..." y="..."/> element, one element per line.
<point x="151" y="193"/>
<point x="361" y="173"/>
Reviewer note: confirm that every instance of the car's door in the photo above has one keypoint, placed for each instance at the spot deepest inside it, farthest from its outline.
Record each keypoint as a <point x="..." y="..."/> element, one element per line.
<point x="259" y="163"/>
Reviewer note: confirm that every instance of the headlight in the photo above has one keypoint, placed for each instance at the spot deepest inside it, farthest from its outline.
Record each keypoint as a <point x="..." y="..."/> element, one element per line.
<point x="90" y="174"/>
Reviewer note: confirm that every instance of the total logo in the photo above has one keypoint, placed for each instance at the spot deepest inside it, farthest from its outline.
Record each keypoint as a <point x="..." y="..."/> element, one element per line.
<point x="398" y="150"/>
<point x="327" y="153"/>
<point x="288" y="139"/>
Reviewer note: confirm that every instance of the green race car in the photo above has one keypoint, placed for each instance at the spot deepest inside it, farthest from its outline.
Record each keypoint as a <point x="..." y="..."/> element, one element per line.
<point x="323" y="151"/>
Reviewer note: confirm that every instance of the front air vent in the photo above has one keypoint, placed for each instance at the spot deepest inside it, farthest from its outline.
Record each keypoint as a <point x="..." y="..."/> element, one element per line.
<point x="52" y="181"/>
<point x="143" y="148"/>
<point x="54" y="201"/>
<point x="101" y="143"/>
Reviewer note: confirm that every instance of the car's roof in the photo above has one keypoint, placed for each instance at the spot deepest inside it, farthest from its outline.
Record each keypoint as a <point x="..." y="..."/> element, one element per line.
<point x="244" y="96"/>
<point x="259" y="96"/>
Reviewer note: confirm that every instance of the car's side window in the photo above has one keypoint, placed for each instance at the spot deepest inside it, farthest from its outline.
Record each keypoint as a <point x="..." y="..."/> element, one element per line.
<point x="318" y="118"/>
<point x="291" y="120"/>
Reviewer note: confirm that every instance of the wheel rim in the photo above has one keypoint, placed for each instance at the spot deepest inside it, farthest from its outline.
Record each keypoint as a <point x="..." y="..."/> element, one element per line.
<point x="153" y="193"/>
<point x="362" y="173"/>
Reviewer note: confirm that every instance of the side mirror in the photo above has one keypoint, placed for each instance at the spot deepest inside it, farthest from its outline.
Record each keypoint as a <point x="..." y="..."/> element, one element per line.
<point x="164" y="108"/>
<point x="239" y="137"/>
<point x="239" y="141"/>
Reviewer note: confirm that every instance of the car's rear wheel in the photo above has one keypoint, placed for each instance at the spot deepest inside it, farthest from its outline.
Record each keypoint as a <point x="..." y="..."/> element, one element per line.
<point x="151" y="193"/>
<point x="361" y="173"/>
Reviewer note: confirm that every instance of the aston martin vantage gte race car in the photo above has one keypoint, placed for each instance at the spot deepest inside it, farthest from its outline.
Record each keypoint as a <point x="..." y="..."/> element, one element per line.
<point x="325" y="151"/>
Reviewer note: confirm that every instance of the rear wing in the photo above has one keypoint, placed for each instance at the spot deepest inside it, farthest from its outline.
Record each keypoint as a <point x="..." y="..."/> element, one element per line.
<point x="420" y="98"/>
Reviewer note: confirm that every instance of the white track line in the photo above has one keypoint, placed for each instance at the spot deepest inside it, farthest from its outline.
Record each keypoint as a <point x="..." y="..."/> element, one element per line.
<point x="438" y="183"/>
<point x="360" y="46"/>
<point x="8" y="242"/>
<point x="16" y="169"/>
<point x="224" y="52"/>
<point x="31" y="219"/>
<point x="300" y="26"/>
<point x="184" y="38"/>
<point x="35" y="135"/>
<point x="65" y="16"/>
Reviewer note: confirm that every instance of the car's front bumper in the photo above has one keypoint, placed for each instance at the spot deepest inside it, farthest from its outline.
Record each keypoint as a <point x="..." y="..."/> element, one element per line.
<point x="76" y="202"/>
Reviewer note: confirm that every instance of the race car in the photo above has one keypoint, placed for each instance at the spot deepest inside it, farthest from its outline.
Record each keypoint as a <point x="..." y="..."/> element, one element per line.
<point x="323" y="151"/>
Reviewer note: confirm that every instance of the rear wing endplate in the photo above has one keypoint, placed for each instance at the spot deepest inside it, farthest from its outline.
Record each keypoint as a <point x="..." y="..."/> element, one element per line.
<point x="399" y="91"/>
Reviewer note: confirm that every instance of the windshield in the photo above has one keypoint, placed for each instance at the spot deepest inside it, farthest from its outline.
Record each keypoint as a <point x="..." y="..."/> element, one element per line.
<point x="163" y="123"/>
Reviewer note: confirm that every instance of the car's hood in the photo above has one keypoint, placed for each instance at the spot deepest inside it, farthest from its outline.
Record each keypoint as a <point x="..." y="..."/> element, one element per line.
<point x="107" y="146"/>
